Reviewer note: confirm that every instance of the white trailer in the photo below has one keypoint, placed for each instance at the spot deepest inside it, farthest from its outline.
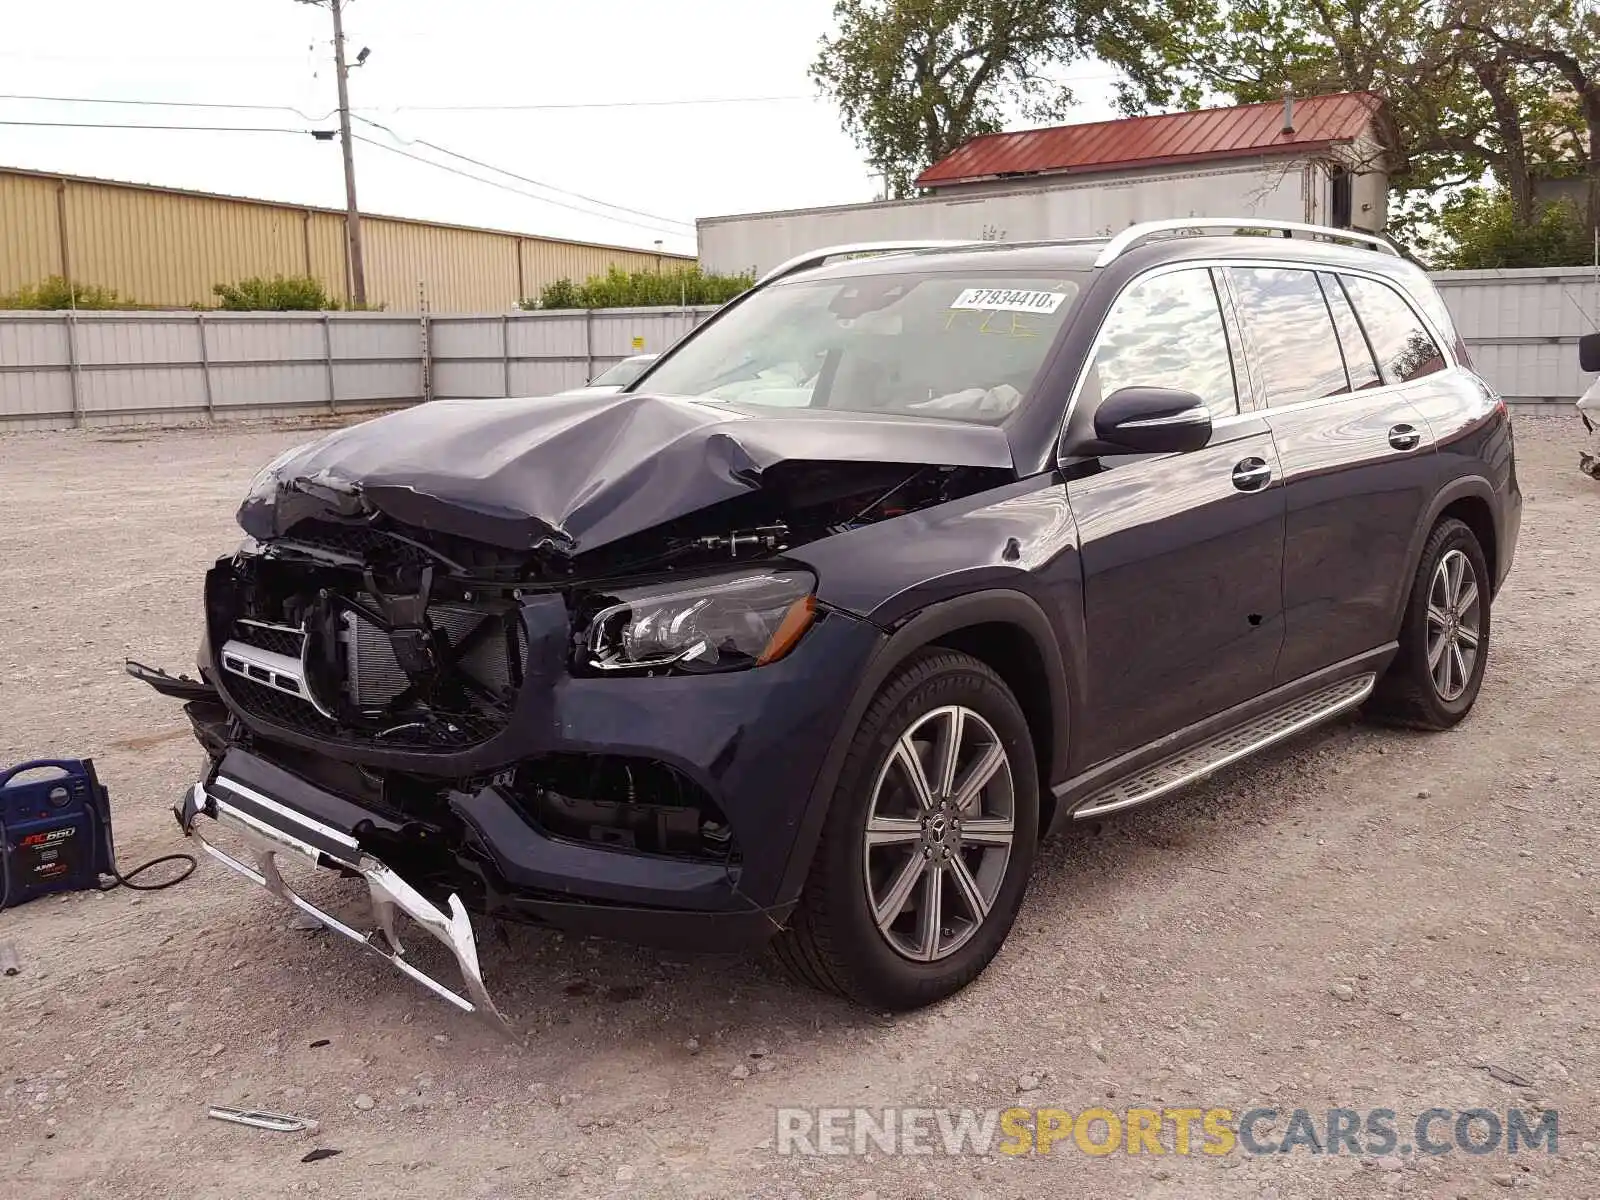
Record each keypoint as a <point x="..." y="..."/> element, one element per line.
<point x="1279" y="188"/>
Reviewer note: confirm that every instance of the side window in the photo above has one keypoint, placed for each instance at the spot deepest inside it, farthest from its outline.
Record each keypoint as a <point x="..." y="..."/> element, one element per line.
<point x="1291" y="332"/>
<point x="1167" y="332"/>
<point x="1405" y="348"/>
<point x="1358" y="360"/>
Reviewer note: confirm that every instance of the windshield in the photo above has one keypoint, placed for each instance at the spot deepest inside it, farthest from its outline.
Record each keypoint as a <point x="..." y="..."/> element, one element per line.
<point x="624" y="372"/>
<point x="962" y="346"/>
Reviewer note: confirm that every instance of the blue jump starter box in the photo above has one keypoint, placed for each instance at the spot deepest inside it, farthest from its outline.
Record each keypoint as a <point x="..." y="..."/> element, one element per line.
<point x="55" y="830"/>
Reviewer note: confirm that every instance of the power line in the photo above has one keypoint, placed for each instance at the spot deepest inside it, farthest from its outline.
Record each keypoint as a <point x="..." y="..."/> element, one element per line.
<point x="172" y="104"/>
<point x="505" y="187"/>
<point x="597" y="104"/>
<point x="662" y="227"/>
<point x="420" y="107"/>
<point x="189" y="128"/>
<point x="522" y="178"/>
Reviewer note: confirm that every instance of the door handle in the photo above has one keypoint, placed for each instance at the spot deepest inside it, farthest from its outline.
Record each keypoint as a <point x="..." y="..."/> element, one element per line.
<point x="1251" y="474"/>
<point x="1404" y="437"/>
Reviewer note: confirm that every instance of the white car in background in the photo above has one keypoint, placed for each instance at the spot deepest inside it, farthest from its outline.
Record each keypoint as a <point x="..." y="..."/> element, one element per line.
<point x="617" y="376"/>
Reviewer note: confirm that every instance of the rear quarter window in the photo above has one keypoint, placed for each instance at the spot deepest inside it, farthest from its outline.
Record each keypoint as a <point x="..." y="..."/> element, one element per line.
<point x="1404" y="348"/>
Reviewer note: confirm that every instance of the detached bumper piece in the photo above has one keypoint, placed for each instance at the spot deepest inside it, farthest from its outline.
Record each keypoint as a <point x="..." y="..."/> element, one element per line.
<point x="269" y="828"/>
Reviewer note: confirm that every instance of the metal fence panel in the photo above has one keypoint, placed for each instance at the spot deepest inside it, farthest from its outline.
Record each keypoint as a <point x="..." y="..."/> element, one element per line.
<point x="262" y="340"/>
<point x="1522" y="327"/>
<point x="378" y="383"/>
<point x="538" y="378"/>
<point x="289" y="387"/>
<point x="359" y="335"/>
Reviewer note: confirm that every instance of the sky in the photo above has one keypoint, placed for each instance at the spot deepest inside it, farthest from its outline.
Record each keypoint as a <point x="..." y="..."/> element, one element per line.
<point x="628" y="64"/>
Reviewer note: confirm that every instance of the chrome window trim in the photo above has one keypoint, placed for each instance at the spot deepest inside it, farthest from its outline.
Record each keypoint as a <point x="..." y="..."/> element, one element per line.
<point x="1446" y="350"/>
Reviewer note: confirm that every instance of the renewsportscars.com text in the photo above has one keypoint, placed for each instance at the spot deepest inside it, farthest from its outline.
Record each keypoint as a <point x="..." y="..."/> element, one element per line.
<point x="1207" y="1132"/>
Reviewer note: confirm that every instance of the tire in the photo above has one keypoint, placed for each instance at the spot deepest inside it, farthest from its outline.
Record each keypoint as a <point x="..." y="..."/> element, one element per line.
<point x="834" y="941"/>
<point x="1415" y="692"/>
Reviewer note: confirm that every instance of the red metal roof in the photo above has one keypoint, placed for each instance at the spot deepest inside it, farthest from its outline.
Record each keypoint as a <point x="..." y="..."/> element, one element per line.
<point x="1246" y="129"/>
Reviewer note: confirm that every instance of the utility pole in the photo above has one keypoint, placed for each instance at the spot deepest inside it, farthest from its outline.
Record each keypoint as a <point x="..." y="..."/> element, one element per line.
<point x="352" y="214"/>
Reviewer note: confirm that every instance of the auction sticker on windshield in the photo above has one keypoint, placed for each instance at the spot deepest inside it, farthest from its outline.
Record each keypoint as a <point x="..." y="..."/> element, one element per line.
<point x="1009" y="300"/>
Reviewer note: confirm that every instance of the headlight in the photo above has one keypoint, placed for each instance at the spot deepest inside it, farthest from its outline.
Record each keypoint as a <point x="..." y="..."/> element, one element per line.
<point x="717" y="624"/>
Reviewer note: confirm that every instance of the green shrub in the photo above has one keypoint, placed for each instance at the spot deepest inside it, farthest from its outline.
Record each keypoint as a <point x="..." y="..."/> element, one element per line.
<point x="292" y="293"/>
<point x="56" y="293"/>
<point x="642" y="289"/>
<point x="563" y="293"/>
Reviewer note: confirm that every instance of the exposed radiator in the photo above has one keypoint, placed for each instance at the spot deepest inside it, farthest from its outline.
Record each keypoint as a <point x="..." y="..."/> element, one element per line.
<point x="374" y="674"/>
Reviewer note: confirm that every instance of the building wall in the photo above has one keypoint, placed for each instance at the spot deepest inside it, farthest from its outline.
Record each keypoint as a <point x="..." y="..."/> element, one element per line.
<point x="1060" y="208"/>
<point x="168" y="248"/>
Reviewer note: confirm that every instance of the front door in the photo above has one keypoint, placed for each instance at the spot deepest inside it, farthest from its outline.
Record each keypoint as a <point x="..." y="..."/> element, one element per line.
<point x="1182" y="554"/>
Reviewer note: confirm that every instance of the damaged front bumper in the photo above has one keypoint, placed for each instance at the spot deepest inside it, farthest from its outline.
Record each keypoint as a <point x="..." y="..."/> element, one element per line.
<point x="268" y="829"/>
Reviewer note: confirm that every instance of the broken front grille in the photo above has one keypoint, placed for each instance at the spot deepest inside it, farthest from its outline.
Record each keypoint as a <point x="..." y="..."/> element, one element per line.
<point x="357" y="690"/>
<point x="440" y="731"/>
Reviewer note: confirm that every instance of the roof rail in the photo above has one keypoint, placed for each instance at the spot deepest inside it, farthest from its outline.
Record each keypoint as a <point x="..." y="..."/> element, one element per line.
<point x="1134" y="234"/>
<point x="815" y="258"/>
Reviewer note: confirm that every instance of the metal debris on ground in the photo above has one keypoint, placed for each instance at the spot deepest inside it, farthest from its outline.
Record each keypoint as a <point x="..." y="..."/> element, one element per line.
<point x="256" y="1119"/>
<point x="9" y="963"/>
<point x="320" y="1153"/>
<point x="1507" y="1075"/>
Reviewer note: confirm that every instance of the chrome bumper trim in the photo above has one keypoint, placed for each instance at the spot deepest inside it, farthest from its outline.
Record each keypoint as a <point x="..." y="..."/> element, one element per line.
<point x="388" y="891"/>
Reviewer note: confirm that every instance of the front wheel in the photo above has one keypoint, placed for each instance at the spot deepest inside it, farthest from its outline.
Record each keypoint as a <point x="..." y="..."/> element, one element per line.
<point x="928" y="842"/>
<point x="1444" y="639"/>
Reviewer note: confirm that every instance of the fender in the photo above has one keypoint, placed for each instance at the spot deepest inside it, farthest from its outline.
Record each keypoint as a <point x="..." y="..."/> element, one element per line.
<point x="928" y="625"/>
<point x="1457" y="489"/>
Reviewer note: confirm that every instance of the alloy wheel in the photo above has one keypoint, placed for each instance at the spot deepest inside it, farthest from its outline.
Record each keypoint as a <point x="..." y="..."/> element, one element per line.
<point x="939" y="833"/>
<point x="1454" y="625"/>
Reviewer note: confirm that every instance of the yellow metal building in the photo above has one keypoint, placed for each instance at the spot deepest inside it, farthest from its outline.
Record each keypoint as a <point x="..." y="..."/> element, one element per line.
<point x="164" y="247"/>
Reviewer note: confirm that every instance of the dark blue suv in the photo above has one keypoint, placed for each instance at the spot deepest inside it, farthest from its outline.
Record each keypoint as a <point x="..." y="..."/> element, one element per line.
<point x="896" y="564"/>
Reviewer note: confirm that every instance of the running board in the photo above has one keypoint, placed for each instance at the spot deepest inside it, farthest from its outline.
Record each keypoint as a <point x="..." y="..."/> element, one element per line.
<point x="1230" y="746"/>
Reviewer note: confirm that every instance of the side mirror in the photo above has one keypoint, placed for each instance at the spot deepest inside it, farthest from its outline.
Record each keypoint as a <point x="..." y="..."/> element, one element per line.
<point x="1589" y="352"/>
<point x="1148" y="420"/>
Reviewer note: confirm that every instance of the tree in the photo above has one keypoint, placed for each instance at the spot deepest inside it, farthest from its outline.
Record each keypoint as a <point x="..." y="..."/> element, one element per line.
<point x="1558" y="43"/>
<point x="915" y="79"/>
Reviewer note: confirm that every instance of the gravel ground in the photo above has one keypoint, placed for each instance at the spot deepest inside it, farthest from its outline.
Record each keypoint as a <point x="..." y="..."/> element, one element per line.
<point x="1366" y="919"/>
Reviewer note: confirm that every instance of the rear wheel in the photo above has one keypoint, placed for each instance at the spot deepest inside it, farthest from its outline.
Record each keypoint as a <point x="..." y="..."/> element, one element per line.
<point x="928" y="843"/>
<point x="1444" y="639"/>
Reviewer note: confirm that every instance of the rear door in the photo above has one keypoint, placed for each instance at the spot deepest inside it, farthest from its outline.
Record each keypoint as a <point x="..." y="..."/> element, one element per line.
<point x="1333" y="356"/>
<point x="1182" y="554"/>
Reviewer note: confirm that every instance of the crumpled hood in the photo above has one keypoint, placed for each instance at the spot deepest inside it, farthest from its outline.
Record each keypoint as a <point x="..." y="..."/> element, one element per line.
<point x="575" y="472"/>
